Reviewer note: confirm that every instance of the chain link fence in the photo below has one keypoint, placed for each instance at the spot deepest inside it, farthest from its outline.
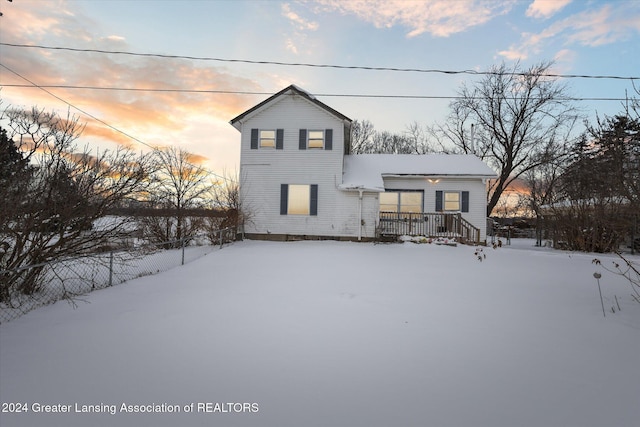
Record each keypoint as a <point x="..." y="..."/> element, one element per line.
<point x="69" y="279"/>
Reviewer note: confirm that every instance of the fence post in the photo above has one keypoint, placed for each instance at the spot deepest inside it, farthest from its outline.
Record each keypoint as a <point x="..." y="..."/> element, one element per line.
<point x="110" y="268"/>
<point x="633" y="234"/>
<point x="221" y="239"/>
<point x="182" y="244"/>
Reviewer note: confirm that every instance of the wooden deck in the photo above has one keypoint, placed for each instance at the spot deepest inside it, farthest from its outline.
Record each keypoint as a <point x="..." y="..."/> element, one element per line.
<point x="449" y="225"/>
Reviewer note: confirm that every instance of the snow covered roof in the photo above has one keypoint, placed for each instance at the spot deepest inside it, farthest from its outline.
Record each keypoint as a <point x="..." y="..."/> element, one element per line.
<point x="365" y="171"/>
<point x="291" y="89"/>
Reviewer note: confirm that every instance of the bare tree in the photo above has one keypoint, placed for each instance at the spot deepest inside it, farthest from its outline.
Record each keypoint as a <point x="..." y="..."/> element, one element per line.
<point x="57" y="206"/>
<point x="366" y="140"/>
<point x="521" y="120"/>
<point x="229" y="211"/>
<point x="178" y="185"/>
<point x="361" y="134"/>
<point x="543" y="184"/>
<point x="418" y="137"/>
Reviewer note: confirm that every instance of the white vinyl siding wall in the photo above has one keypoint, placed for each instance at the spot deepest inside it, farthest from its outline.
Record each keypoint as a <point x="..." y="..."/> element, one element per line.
<point x="476" y="188"/>
<point x="262" y="172"/>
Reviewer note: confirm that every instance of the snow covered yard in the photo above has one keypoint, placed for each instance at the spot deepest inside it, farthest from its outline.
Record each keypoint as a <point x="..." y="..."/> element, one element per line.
<point x="335" y="334"/>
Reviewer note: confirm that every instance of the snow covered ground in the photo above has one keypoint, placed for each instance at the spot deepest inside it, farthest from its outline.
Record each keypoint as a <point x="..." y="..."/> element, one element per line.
<point x="335" y="334"/>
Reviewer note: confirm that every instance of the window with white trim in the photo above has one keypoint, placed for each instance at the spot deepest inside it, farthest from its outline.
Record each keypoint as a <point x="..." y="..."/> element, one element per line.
<point x="299" y="199"/>
<point x="267" y="138"/>
<point x="316" y="139"/>
<point x="452" y="201"/>
<point x="401" y="201"/>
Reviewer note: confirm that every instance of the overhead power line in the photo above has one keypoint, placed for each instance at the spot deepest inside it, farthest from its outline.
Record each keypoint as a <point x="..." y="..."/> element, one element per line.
<point x="86" y="113"/>
<point x="234" y="92"/>
<point x="311" y="65"/>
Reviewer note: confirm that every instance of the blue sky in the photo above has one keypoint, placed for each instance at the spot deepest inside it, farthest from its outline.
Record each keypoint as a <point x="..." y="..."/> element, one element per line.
<point x="581" y="36"/>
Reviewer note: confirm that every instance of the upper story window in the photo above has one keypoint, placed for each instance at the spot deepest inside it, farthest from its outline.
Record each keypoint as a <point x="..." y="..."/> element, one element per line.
<point x="314" y="139"/>
<point x="267" y="138"/>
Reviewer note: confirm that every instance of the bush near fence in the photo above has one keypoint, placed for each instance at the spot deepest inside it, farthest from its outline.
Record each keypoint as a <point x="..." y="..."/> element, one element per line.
<point x="69" y="279"/>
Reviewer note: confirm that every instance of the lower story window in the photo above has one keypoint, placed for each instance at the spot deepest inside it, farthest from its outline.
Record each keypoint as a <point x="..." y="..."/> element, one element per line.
<point x="299" y="199"/>
<point x="401" y="201"/>
<point x="451" y="201"/>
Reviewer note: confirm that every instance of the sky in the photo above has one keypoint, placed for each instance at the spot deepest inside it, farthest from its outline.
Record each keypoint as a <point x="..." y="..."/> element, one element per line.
<point x="597" y="38"/>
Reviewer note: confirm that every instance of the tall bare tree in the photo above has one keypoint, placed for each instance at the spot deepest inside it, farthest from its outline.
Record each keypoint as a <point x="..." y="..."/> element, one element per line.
<point x="521" y="120"/>
<point x="178" y="185"/>
<point x="366" y="140"/>
<point x="228" y="210"/>
<point x="361" y="133"/>
<point x="56" y="206"/>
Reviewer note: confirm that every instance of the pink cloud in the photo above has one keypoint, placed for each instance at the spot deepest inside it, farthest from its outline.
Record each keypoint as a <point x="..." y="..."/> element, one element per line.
<point x="153" y="117"/>
<point x="545" y="8"/>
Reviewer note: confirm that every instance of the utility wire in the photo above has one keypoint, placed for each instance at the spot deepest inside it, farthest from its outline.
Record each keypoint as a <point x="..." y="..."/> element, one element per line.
<point x="233" y="92"/>
<point x="86" y="113"/>
<point x="311" y="65"/>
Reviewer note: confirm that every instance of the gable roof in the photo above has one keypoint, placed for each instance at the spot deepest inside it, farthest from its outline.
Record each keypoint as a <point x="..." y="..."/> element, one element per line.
<point x="292" y="89"/>
<point x="366" y="171"/>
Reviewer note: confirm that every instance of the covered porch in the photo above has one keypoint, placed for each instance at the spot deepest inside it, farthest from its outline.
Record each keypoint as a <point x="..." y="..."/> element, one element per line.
<point x="449" y="225"/>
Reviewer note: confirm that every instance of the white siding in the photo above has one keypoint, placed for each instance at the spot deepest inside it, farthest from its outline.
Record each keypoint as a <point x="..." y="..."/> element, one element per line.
<point x="476" y="188"/>
<point x="262" y="172"/>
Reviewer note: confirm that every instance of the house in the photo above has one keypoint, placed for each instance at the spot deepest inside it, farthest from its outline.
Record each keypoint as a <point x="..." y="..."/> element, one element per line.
<point x="298" y="179"/>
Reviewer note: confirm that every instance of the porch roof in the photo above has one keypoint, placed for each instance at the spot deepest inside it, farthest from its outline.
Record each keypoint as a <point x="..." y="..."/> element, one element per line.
<point x="366" y="171"/>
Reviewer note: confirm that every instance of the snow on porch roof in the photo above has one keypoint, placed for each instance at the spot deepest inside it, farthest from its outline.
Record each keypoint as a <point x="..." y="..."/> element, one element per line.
<point x="365" y="171"/>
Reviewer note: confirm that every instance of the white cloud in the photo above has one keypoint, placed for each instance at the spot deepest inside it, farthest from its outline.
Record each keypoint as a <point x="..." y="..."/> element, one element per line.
<point x="297" y="20"/>
<point x="546" y="8"/>
<point x="440" y="18"/>
<point x="605" y="25"/>
<point x="291" y="46"/>
<point x="115" y="38"/>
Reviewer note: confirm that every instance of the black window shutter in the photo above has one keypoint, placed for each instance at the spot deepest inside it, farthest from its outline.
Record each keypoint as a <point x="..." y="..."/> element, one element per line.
<point x="303" y="139"/>
<point x="279" y="139"/>
<point x="465" y="201"/>
<point x="313" y="208"/>
<point x="328" y="139"/>
<point x="254" y="139"/>
<point x="438" y="201"/>
<point x="284" y="198"/>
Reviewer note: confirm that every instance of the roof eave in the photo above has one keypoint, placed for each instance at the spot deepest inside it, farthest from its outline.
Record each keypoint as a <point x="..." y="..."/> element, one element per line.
<point x="428" y="175"/>
<point x="236" y="122"/>
<point x="356" y="187"/>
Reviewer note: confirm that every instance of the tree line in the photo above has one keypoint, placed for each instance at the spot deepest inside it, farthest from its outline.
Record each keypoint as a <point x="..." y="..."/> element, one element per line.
<point x="60" y="200"/>
<point x="581" y="186"/>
